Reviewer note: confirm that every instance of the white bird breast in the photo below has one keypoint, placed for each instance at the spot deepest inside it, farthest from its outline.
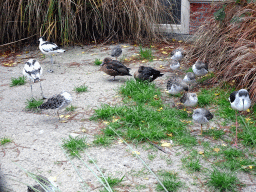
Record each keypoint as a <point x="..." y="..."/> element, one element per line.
<point x="238" y="103"/>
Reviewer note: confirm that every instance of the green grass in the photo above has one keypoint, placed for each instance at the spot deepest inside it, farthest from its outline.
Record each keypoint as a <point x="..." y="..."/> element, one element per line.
<point x="214" y="133"/>
<point x="5" y="140"/>
<point x="189" y="70"/>
<point x="97" y="62"/>
<point x="206" y="77"/>
<point x="81" y="89"/>
<point x="146" y="54"/>
<point x="33" y="104"/>
<point x="112" y="181"/>
<point x="102" y="140"/>
<point x="18" y="81"/>
<point x="74" y="145"/>
<point x="71" y="108"/>
<point x="170" y="181"/>
<point x="223" y="181"/>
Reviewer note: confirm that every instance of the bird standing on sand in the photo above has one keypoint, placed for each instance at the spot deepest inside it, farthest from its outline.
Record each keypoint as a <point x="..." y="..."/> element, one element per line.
<point x="47" y="47"/>
<point x="114" y="68"/>
<point x="116" y="51"/>
<point x="147" y="73"/>
<point x="202" y="116"/>
<point x="240" y="101"/>
<point x="44" y="185"/>
<point x="58" y="102"/>
<point x="175" y="85"/>
<point x="33" y="71"/>
<point x="189" y="99"/>
<point x="200" y="68"/>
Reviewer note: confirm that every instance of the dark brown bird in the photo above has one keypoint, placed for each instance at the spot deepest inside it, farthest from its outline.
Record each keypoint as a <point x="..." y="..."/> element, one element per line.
<point x="147" y="74"/>
<point x="114" y="68"/>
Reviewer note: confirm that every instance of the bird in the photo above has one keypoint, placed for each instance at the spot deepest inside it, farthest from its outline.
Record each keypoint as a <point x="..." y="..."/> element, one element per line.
<point x="202" y="116"/>
<point x="116" y="51"/>
<point x="189" y="99"/>
<point x="175" y="85"/>
<point x="147" y="73"/>
<point x="200" y="68"/>
<point x="58" y="102"/>
<point x="114" y="68"/>
<point x="240" y="101"/>
<point x="189" y="78"/>
<point x="174" y="64"/>
<point x="33" y="70"/>
<point x="177" y="54"/>
<point x="47" y="47"/>
<point x="44" y="185"/>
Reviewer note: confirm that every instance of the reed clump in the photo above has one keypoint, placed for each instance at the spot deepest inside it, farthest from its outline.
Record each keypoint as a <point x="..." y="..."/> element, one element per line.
<point x="227" y="41"/>
<point x="68" y="21"/>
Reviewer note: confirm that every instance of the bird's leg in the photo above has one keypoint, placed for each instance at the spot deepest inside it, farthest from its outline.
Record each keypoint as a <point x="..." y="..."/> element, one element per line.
<point x="201" y="130"/>
<point x="114" y="78"/>
<point x="235" y="145"/>
<point x="31" y="92"/>
<point x="58" y="114"/>
<point x="50" y="70"/>
<point x="42" y="91"/>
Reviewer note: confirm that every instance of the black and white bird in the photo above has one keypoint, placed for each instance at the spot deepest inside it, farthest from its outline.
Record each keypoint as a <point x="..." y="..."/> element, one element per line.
<point x="178" y="54"/>
<point x="189" y="99"/>
<point x="190" y="78"/>
<point x="147" y="74"/>
<point x="202" y="116"/>
<point x="240" y="101"/>
<point x="58" y="102"/>
<point x="174" y="64"/>
<point x="116" y="51"/>
<point x="200" y="68"/>
<point x="44" y="185"/>
<point x="49" y="48"/>
<point x="175" y="85"/>
<point x="32" y="70"/>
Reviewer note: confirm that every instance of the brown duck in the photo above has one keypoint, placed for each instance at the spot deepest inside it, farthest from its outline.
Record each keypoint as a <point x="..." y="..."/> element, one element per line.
<point x="147" y="74"/>
<point x="114" y="68"/>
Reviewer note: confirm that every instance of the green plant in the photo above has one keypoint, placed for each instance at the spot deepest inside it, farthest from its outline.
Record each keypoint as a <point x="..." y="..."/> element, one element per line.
<point x="151" y="156"/>
<point x="102" y="140"/>
<point x="5" y="140"/>
<point x="206" y="77"/>
<point x="81" y="88"/>
<point x="97" y="62"/>
<point x="113" y="181"/>
<point x="74" y="145"/>
<point x="71" y="108"/>
<point x="170" y="181"/>
<point x="33" y="104"/>
<point x="18" y="81"/>
<point x="146" y="53"/>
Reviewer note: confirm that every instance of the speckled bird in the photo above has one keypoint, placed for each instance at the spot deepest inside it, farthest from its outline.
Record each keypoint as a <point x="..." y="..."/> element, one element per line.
<point x="116" y="51"/>
<point x="202" y="116"/>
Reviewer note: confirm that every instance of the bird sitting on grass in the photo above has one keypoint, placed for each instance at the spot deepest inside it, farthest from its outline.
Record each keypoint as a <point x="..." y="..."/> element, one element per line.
<point x="202" y="116"/>
<point x="240" y="101"/>
<point x="175" y="85"/>
<point x="47" y="47"/>
<point x="114" y="68"/>
<point x="58" y="102"/>
<point x="200" y="68"/>
<point x="32" y="70"/>
<point x="44" y="185"/>
<point x="147" y="74"/>
<point x="189" y="78"/>
<point x="116" y="51"/>
<point x="189" y="99"/>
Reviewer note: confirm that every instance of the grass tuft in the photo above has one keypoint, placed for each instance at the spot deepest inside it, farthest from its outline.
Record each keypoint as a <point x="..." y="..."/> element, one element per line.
<point x="97" y="62"/>
<point x="170" y="181"/>
<point x="74" y="145"/>
<point x="5" y="140"/>
<point x="146" y="54"/>
<point x="33" y="104"/>
<point x="81" y="89"/>
<point x="18" y="81"/>
<point x="71" y="108"/>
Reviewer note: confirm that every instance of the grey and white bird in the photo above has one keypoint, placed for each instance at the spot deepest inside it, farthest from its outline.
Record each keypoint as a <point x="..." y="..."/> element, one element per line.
<point x="174" y="64"/>
<point x="57" y="102"/>
<point x="116" y="51"/>
<point x="49" y="48"/>
<point x="44" y="185"/>
<point x="202" y="116"/>
<point x="177" y="54"/>
<point x="200" y="68"/>
<point x="175" y="85"/>
<point x="33" y="70"/>
<point x="190" y="78"/>
<point x="240" y="101"/>
<point x="189" y="99"/>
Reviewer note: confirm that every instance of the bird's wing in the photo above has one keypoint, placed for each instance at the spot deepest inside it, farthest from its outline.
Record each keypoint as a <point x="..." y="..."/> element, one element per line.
<point x="118" y="67"/>
<point x="53" y="102"/>
<point x="49" y="46"/>
<point x="184" y="98"/>
<point x="232" y="96"/>
<point x="207" y="114"/>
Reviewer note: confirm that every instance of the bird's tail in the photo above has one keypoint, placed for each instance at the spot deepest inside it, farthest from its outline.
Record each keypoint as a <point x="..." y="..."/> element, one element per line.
<point x="61" y="50"/>
<point x="44" y="106"/>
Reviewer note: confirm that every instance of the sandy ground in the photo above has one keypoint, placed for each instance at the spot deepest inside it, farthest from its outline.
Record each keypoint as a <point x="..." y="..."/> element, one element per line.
<point x="37" y="136"/>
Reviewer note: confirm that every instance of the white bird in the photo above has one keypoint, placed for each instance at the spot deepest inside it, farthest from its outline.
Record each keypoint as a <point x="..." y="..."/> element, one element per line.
<point x="58" y="102"/>
<point x="240" y="101"/>
<point x="174" y="64"/>
<point x="189" y="78"/>
<point x="177" y="54"/>
<point x="175" y="85"/>
<point x="47" y="47"/>
<point x="202" y="116"/>
<point x="44" y="185"/>
<point x="200" y="68"/>
<point x="33" y="71"/>
<point x="189" y="99"/>
<point x="116" y="51"/>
